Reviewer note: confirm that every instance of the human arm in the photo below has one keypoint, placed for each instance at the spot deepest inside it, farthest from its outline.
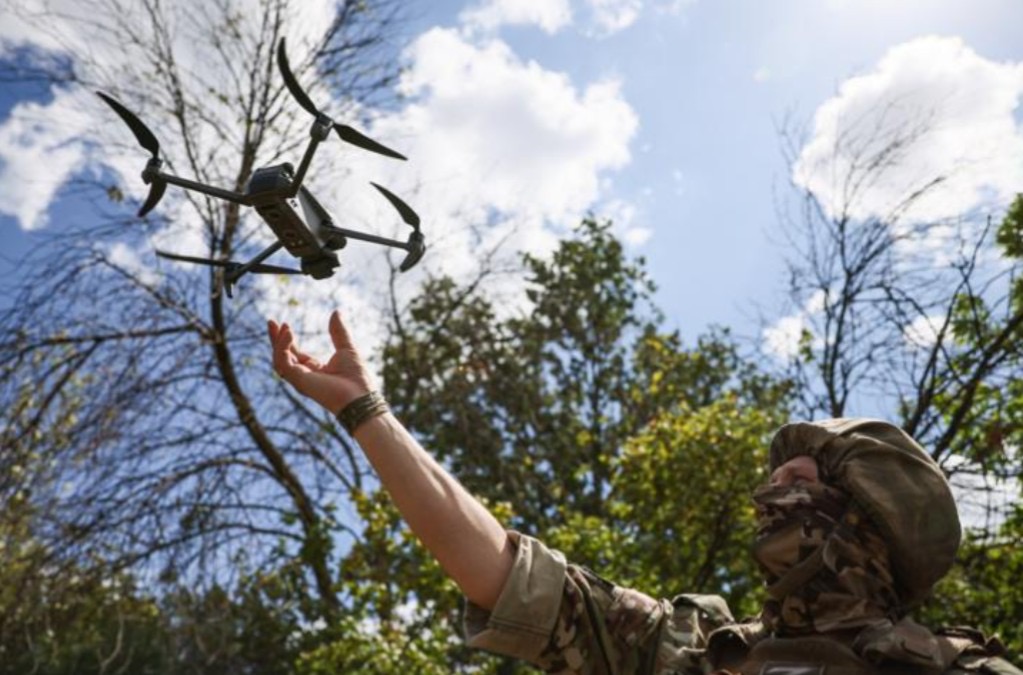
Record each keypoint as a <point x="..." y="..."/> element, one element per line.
<point x="470" y="544"/>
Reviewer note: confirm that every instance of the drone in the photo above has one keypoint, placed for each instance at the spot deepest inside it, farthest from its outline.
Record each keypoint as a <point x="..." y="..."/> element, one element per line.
<point x="302" y="225"/>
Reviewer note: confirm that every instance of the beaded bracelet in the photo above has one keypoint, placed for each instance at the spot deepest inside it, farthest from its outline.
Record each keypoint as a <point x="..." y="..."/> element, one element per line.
<point x="360" y="410"/>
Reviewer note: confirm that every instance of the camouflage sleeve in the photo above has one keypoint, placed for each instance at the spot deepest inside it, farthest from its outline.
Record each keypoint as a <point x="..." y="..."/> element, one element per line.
<point x="565" y="619"/>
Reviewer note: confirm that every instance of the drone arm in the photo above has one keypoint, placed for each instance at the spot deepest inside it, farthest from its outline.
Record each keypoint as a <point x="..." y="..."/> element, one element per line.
<point x="317" y="134"/>
<point x="372" y="238"/>
<point x="235" y="197"/>
<point x="414" y="247"/>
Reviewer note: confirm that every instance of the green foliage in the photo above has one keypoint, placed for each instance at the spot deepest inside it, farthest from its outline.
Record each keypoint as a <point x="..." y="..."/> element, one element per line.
<point x="582" y="422"/>
<point x="402" y="608"/>
<point x="508" y="403"/>
<point x="682" y="494"/>
<point x="256" y="626"/>
<point x="1010" y="232"/>
<point x="62" y="619"/>
<point x="983" y="588"/>
<point x="60" y="611"/>
<point x="385" y="647"/>
<point x="519" y="399"/>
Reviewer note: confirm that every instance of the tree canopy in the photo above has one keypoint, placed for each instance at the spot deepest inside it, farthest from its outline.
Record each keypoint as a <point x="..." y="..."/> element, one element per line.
<point x="168" y="505"/>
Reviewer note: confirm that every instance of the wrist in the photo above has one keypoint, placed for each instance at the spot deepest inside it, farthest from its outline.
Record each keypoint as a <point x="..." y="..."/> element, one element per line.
<point x="360" y="410"/>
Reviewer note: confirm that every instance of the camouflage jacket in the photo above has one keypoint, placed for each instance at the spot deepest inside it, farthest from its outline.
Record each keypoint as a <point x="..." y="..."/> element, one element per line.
<point x="565" y="619"/>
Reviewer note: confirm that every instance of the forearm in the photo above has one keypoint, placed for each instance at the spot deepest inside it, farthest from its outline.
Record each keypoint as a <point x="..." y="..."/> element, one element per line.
<point x="468" y="542"/>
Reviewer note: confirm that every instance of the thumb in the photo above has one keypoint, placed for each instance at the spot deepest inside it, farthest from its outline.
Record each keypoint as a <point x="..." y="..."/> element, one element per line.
<point x="338" y="333"/>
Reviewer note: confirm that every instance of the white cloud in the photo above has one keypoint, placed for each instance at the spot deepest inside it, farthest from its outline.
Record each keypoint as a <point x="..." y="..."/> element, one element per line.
<point x="39" y="152"/>
<point x="611" y="16"/>
<point x="43" y="145"/>
<point x="762" y="74"/>
<point x="499" y="140"/>
<point x="953" y="113"/>
<point x="128" y="259"/>
<point x="623" y="216"/>
<point x="923" y="331"/>
<point x="549" y="15"/>
<point x="784" y="337"/>
<point x="781" y="339"/>
<point x="637" y="236"/>
<point x="503" y="154"/>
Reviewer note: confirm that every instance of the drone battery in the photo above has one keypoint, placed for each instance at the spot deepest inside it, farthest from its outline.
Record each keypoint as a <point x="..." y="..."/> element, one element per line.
<point x="269" y="188"/>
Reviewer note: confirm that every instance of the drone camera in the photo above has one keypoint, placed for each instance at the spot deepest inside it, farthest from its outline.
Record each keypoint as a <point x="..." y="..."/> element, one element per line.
<point x="321" y="266"/>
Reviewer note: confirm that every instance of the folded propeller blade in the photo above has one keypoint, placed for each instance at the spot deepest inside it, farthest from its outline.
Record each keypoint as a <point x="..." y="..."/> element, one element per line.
<point x="145" y="137"/>
<point x="291" y="83"/>
<point x="228" y="264"/>
<point x="356" y="138"/>
<point x="416" y="249"/>
<point x="263" y="268"/>
<point x="156" y="191"/>
<point x="406" y="212"/>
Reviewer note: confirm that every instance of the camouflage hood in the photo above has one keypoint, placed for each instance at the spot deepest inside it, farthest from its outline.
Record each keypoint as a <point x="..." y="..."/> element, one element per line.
<point x="895" y="482"/>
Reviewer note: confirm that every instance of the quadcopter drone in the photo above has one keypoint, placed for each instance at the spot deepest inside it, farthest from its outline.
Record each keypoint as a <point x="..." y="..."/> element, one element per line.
<point x="301" y="224"/>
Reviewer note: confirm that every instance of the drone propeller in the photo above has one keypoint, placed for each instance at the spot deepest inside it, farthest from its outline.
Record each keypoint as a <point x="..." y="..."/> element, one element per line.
<point x="416" y="245"/>
<point x="145" y="137"/>
<point x="155" y="195"/>
<point x="344" y="132"/>
<point x="407" y="214"/>
<point x="228" y="264"/>
<point x="148" y="141"/>
<point x="358" y="139"/>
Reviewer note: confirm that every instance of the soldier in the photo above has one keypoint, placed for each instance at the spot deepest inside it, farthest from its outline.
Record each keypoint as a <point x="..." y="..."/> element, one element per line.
<point x="856" y="526"/>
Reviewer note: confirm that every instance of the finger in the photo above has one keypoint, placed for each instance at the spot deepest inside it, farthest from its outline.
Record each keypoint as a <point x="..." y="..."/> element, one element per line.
<point x="285" y="338"/>
<point x="305" y="359"/>
<point x="272" y="329"/>
<point x="284" y="360"/>
<point x="339" y="333"/>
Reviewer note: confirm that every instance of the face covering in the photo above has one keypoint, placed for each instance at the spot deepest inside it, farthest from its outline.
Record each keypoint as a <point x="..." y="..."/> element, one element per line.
<point x="825" y="563"/>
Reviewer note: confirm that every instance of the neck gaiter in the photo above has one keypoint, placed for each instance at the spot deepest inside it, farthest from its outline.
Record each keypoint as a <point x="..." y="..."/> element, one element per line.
<point x="826" y="565"/>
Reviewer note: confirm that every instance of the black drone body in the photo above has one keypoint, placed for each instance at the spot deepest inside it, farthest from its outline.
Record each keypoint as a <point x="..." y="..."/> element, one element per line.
<point x="302" y="225"/>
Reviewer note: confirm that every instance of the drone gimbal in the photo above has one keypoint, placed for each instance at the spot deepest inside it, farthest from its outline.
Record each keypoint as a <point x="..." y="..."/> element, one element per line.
<point x="302" y="226"/>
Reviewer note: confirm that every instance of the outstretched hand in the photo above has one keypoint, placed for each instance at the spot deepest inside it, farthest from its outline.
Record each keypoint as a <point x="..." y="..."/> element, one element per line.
<point x="333" y="384"/>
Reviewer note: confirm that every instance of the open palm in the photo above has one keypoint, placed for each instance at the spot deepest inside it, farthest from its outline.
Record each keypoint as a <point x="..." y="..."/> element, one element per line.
<point x="334" y="384"/>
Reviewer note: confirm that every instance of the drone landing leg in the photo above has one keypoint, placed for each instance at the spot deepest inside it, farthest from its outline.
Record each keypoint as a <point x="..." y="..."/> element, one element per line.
<point x="232" y="275"/>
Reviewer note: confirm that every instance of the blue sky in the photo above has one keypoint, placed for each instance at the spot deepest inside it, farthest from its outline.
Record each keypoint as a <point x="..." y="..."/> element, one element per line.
<point x="525" y="114"/>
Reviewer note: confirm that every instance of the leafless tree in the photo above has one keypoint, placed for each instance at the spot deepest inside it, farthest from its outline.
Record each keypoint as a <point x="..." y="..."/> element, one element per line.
<point x="914" y="319"/>
<point x="140" y="421"/>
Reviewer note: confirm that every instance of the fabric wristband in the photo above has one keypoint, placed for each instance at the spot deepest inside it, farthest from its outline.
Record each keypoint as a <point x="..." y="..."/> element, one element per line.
<point x="360" y="410"/>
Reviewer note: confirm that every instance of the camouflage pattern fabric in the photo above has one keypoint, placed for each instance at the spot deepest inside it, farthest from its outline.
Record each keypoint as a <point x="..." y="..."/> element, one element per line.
<point x="565" y="619"/>
<point x="581" y="623"/>
<point x="882" y="547"/>
<point x="826" y="565"/>
<point x="896" y="483"/>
